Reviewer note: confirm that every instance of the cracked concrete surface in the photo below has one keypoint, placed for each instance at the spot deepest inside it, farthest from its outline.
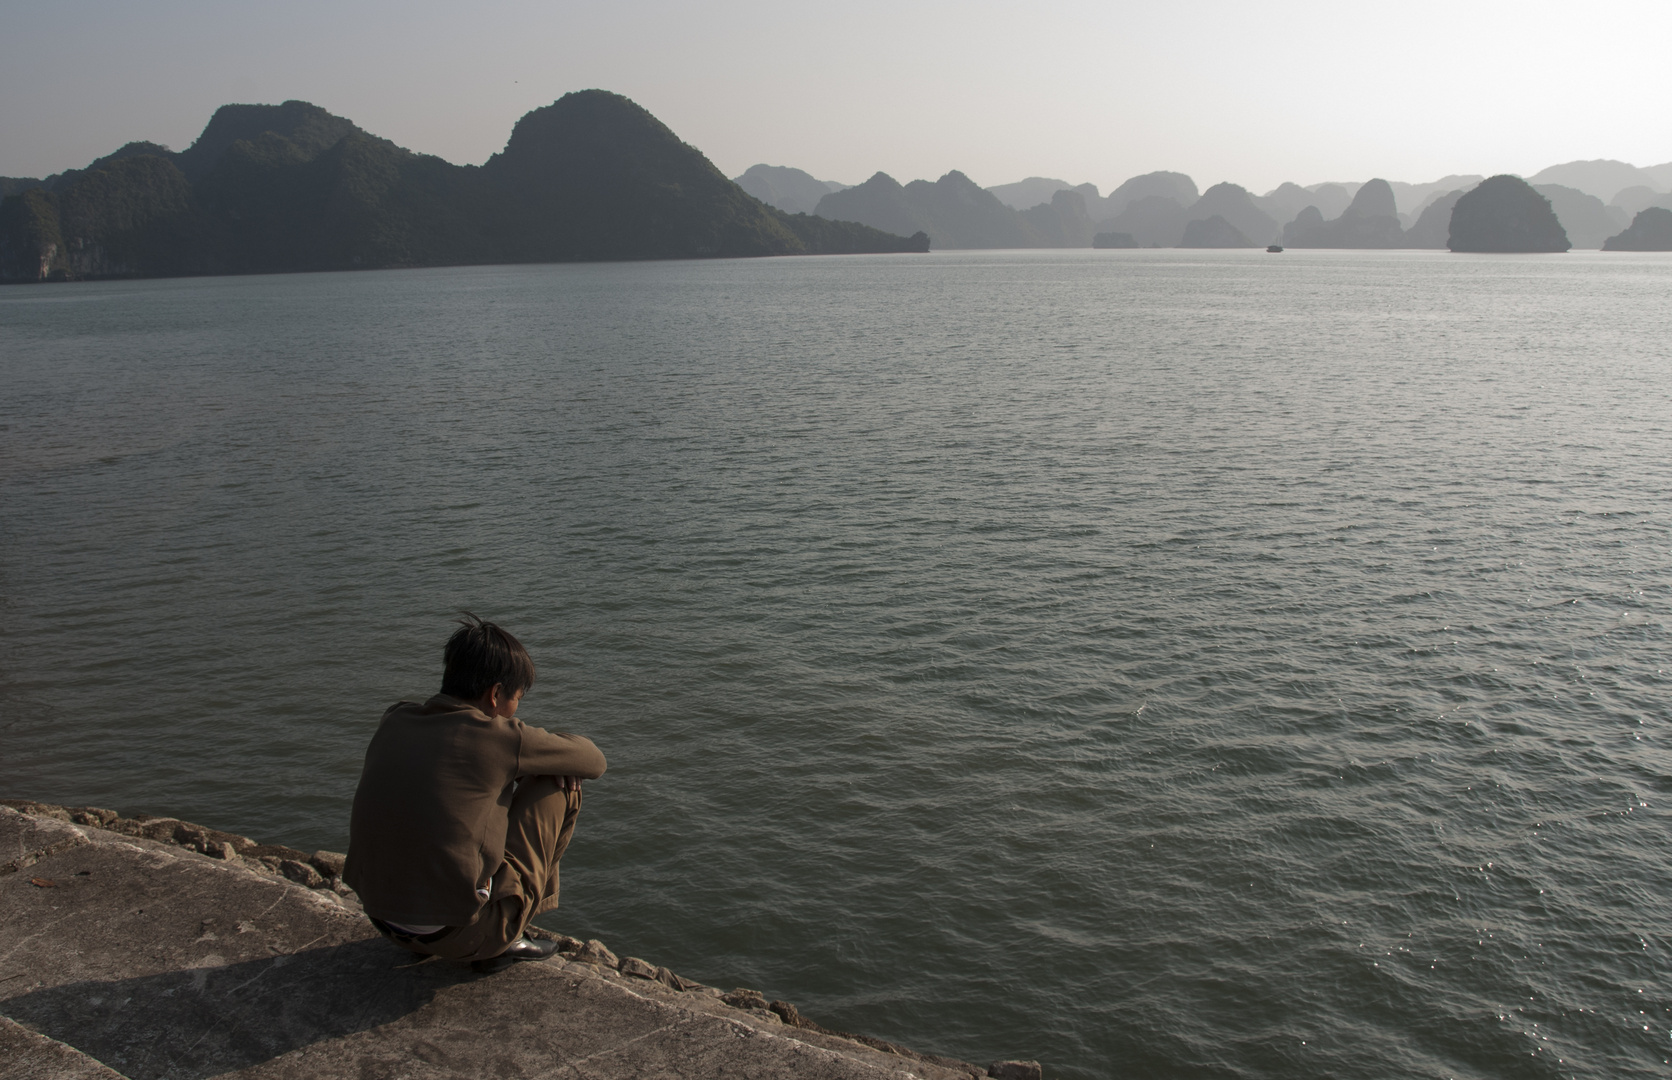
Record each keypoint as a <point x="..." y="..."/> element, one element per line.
<point x="127" y="957"/>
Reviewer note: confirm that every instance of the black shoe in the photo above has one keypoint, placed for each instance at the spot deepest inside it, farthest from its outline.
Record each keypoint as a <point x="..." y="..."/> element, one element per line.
<point x="520" y="949"/>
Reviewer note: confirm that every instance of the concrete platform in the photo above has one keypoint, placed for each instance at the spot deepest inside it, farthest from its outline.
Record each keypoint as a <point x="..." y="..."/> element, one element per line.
<point x="124" y="956"/>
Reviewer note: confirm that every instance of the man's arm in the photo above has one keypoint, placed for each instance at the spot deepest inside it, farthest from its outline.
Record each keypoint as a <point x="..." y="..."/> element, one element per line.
<point x="571" y="758"/>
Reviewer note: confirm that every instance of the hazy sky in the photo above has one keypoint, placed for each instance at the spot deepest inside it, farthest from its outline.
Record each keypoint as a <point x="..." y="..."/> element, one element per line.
<point x="1251" y="92"/>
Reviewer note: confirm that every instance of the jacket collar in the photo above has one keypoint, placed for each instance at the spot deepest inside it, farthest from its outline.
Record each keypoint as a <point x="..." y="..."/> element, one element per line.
<point x="449" y="703"/>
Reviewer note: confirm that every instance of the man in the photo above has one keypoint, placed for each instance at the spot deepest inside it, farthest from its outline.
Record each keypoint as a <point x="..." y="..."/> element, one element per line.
<point x="463" y="811"/>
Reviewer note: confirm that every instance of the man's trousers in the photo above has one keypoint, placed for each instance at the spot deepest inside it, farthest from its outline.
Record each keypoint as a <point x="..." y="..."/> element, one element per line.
<point x="542" y="822"/>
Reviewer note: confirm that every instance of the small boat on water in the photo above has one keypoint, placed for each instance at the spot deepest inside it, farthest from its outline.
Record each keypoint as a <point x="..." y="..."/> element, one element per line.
<point x="1274" y="248"/>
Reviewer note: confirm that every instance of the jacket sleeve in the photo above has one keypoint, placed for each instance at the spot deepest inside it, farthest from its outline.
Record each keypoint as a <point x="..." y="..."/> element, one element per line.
<point x="550" y="753"/>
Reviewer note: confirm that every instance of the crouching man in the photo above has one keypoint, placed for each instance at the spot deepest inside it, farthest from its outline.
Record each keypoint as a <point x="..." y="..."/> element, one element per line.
<point x="463" y="811"/>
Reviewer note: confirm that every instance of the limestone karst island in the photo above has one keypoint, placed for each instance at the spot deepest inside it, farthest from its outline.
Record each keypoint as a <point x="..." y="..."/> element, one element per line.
<point x="284" y="188"/>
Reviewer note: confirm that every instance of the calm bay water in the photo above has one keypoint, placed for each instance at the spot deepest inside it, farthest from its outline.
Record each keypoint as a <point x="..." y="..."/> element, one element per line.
<point x="1161" y="664"/>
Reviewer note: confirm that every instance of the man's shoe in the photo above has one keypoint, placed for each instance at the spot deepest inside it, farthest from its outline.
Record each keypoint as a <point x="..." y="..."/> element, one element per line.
<point x="520" y="949"/>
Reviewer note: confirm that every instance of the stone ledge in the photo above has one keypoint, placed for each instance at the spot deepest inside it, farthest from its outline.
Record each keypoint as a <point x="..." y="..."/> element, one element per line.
<point x="195" y="953"/>
<point x="31" y="1056"/>
<point x="322" y="869"/>
<point x="32" y="839"/>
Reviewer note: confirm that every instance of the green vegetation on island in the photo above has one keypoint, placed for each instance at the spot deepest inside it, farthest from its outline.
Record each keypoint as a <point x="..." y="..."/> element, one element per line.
<point x="274" y="188"/>
<point x="593" y="176"/>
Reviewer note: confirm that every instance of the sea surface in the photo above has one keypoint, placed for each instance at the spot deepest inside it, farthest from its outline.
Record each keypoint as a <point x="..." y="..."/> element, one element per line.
<point x="1156" y="663"/>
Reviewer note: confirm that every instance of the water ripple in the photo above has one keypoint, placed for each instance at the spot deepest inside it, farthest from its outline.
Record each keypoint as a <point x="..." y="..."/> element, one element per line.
<point x="1168" y="665"/>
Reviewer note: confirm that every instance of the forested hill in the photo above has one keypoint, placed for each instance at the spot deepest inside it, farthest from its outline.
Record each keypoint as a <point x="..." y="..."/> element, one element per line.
<point x="270" y="188"/>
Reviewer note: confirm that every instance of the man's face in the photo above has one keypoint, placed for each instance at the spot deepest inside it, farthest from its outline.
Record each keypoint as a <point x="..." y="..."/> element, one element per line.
<point x="500" y="705"/>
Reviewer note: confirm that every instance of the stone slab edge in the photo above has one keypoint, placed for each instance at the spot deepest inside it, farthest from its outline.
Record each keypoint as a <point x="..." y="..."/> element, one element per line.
<point x="29" y="1055"/>
<point x="57" y="828"/>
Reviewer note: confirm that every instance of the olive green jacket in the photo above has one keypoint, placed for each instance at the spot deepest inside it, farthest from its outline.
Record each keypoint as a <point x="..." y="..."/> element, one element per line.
<point x="427" y="833"/>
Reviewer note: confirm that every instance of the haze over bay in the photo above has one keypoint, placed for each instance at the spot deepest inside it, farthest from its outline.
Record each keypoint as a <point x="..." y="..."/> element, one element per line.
<point x="1035" y="620"/>
<point x="1290" y="91"/>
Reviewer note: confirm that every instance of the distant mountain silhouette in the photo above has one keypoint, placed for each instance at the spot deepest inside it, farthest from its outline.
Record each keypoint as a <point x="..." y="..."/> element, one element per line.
<point x="1154" y="221"/>
<point x="1437" y="195"/>
<point x="1284" y="202"/>
<point x="1630" y="200"/>
<point x="1651" y="230"/>
<point x="1413" y="198"/>
<point x="1214" y="232"/>
<point x="956" y="213"/>
<point x="1432" y="228"/>
<point x="1169" y="185"/>
<point x="1096" y="205"/>
<point x="1062" y="222"/>
<point x="290" y="187"/>
<point x="1236" y="206"/>
<point x="1371" y="220"/>
<point x="593" y="176"/>
<point x="1308" y="223"/>
<point x="879" y="202"/>
<point x="790" y="190"/>
<point x="1031" y="192"/>
<point x="1332" y="200"/>
<point x="1373" y="201"/>
<point x="1602" y="178"/>
<point x="1660" y="175"/>
<point x="969" y="215"/>
<point x="1505" y="214"/>
<point x="1584" y="218"/>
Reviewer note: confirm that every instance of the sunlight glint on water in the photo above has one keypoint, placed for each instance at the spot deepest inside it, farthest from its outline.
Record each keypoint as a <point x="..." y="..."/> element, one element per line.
<point x="1155" y="663"/>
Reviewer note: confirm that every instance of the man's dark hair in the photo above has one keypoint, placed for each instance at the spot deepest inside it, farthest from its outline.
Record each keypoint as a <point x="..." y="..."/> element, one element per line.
<point x="480" y="654"/>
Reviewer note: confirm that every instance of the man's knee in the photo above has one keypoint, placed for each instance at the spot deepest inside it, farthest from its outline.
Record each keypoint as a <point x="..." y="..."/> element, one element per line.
<point x="545" y="795"/>
<point x="543" y="815"/>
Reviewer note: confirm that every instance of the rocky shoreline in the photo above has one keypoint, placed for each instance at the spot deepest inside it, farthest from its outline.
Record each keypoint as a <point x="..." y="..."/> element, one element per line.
<point x="71" y="865"/>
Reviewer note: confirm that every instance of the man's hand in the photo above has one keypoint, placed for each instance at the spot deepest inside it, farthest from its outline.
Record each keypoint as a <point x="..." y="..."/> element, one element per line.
<point x="569" y="783"/>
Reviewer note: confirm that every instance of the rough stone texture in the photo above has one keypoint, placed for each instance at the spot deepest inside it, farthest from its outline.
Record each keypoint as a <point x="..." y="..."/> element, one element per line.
<point x="151" y="959"/>
<point x="24" y="1055"/>
<point x="302" y="873"/>
<point x="745" y="998"/>
<point x="669" y="979"/>
<point x="595" y="952"/>
<point x="329" y="863"/>
<point x="1015" y="1070"/>
<point x="636" y="967"/>
<point x="25" y="839"/>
